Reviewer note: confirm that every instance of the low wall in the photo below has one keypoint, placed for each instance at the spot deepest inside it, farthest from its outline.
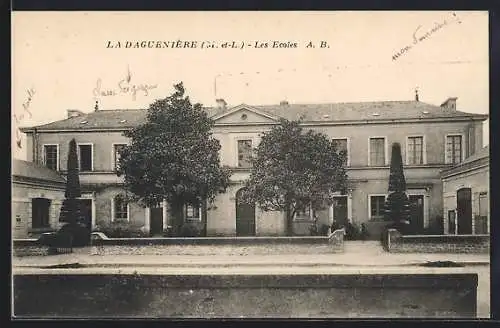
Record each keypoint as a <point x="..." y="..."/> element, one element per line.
<point x="246" y="296"/>
<point x="397" y="243"/>
<point x="31" y="247"/>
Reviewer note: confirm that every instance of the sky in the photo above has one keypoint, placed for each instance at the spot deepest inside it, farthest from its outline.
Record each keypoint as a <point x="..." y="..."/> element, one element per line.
<point x="70" y="60"/>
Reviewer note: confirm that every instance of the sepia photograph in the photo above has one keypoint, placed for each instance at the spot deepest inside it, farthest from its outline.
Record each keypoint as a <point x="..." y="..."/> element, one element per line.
<point x="250" y="165"/>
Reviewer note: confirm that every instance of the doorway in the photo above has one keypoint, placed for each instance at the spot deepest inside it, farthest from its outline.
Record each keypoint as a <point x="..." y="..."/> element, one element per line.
<point x="86" y="212"/>
<point x="40" y="208"/>
<point x="416" y="214"/>
<point x="464" y="211"/>
<point x="156" y="221"/>
<point x="245" y="217"/>
<point x="340" y="211"/>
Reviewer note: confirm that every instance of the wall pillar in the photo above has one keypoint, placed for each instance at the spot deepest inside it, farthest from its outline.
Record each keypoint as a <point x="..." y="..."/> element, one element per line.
<point x="330" y="215"/>
<point x="165" y="221"/>
<point x="147" y="219"/>
<point x="349" y="205"/>
<point x="93" y="209"/>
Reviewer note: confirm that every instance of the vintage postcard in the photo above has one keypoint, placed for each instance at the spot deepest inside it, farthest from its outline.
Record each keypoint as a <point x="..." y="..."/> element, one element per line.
<point x="250" y="164"/>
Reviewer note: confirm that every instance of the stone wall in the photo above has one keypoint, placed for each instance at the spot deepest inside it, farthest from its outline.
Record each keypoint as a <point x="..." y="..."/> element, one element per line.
<point x="397" y="243"/>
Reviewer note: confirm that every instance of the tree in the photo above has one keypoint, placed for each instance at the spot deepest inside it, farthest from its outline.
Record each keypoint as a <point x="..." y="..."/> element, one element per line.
<point x="293" y="170"/>
<point x="70" y="211"/>
<point x="397" y="206"/>
<point x="173" y="156"/>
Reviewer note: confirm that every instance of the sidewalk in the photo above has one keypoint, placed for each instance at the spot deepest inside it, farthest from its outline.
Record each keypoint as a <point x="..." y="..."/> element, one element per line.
<point x="354" y="255"/>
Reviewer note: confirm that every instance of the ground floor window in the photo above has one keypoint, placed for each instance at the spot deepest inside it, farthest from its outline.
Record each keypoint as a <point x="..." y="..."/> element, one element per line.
<point x="120" y="208"/>
<point x="481" y="220"/>
<point x="377" y="204"/>
<point x="40" y="212"/>
<point x="193" y="213"/>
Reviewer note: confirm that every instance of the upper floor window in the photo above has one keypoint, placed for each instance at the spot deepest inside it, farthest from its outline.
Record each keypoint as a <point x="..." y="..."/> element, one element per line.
<point x="341" y="145"/>
<point x="120" y="208"/>
<point x="377" y="204"/>
<point x="454" y="149"/>
<point x="51" y="156"/>
<point x="244" y="153"/>
<point x="117" y="148"/>
<point x="193" y="213"/>
<point x="415" y="150"/>
<point x="85" y="157"/>
<point x="377" y="151"/>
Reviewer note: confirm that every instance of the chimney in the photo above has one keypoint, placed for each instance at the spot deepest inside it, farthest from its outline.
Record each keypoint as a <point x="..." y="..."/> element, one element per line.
<point x="450" y="103"/>
<point x="74" y="113"/>
<point x="416" y="94"/>
<point x="221" y="103"/>
<point x="284" y="103"/>
<point x="96" y="107"/>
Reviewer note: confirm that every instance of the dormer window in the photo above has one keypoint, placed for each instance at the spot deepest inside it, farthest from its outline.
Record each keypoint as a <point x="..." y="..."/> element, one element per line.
<point x="123" y="121"/>
<point x="84" y="122"/>
<point x="376" y="114"/>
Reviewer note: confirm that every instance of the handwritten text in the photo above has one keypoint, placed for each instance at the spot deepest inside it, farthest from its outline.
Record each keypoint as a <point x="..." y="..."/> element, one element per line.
<point x="420" y="35"/>
<point x="124" y="86"/>
<point x="19" y="118"/>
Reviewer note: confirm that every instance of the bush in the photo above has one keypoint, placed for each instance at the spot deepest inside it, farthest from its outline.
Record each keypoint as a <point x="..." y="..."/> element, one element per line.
<point x="352" y="231"/>
<point x="189" y="230"/>
<point x="323" y="230"/>
<point x="120" y="229"/>
<point x="79" y="232"/>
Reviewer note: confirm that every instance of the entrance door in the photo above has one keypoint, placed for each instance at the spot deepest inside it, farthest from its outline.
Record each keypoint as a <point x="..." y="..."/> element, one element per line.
<point x="417" y="213"/>
<point x="464" y="211"/>
<point x="245" y="217"/>
<point x="86" y="211"/>
<point x="340" y="211"/>
<point x="40" y="212"/>
<point x="156" y="221"/>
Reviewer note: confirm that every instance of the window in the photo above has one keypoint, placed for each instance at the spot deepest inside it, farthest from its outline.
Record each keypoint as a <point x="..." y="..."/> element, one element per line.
<point x="377" y="207"/>
<point x="40" y="213"/>
<point x="341" y="145"/>
<point x="471" y="141"/>
<point x="244" y="153"/>
<point x="193" y="213"/>
<point x="453" y="149"/>
<point x="85" y="157"/>
<point x="377" y="151"/>
<point x="481" y="221"/>
<point x="120" y="208"/>
<point x="415" y="150"/>
<point x="483" y="204"/>
<point x="51" y="156"/>
<point x="117" y="148"/>
<point x="304" y="213"/>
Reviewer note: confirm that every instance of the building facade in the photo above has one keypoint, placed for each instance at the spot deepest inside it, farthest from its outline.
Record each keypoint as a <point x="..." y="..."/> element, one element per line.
<point x="432" y="139"/>
<point x="466" y="197"/>
<point x="37" y="196"/>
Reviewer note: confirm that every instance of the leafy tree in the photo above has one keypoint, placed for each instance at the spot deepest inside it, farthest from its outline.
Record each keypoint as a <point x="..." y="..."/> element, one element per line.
<point x="70" y="211"/>
<point x="293" y="169"/>
<point x="173" y="156"/>
<point x="397" y="207"/>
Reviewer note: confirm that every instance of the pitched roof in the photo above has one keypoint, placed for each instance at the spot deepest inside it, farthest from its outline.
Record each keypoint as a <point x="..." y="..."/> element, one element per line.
<point x="480" y="154"/>
<point x="479" y="159"/>
<point x="31" y="170"/>
<point x="335" y="112"/>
